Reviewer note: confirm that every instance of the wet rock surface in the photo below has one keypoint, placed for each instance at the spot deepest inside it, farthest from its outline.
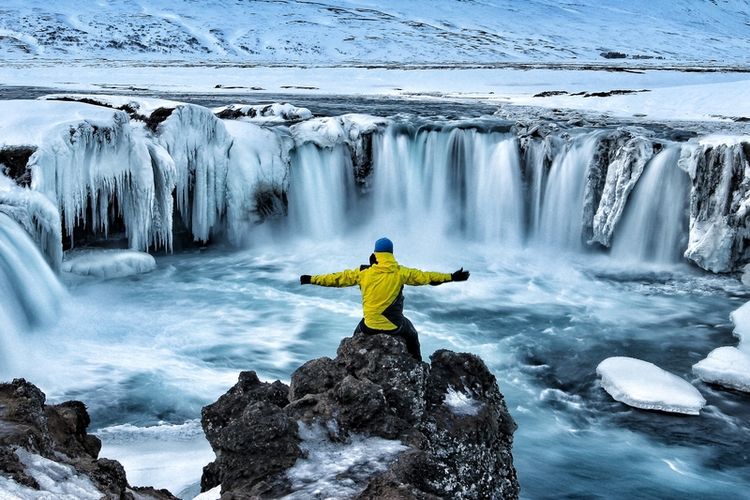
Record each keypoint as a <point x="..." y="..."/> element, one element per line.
<point x="449" y="416"/>
<point x="31" y="428"/>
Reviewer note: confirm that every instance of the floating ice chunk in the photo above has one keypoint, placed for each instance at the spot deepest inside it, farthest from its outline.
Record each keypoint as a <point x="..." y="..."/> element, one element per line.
<point x="741" y="319"/>
<point x="338" y="470"/>
<point x="727" y="366"/>
<point x="644" y="385"/>
<point x="56" y="481"/>
<point x="461" y="403"/>
<point x="212" y="494"/>
<point x="275" y="112"/>
<point x="109" y="263"/>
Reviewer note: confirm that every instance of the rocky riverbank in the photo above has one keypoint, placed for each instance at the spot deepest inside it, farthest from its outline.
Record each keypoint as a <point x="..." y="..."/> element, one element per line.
<point x="45" y="451"/>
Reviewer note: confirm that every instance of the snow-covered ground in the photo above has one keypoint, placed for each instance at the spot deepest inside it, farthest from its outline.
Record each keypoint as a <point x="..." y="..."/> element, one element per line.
<point x="371" y="31"/>
<point x="671" y="95"/>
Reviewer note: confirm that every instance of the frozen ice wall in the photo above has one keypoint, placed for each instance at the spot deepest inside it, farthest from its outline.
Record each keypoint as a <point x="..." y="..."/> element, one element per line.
<point x="148" y="167"/>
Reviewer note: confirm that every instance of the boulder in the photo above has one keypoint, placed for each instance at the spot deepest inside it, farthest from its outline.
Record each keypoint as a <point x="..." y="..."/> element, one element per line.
<point x="371" y="423"/>
<point x="36" y="438"/>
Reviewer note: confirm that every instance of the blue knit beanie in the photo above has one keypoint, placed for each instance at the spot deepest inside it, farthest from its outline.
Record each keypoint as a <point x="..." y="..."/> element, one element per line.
<point x="384" y="245"/>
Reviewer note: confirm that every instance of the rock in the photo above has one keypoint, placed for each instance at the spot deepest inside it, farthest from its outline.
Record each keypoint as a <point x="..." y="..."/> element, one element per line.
<point x="417" y="430"/>
<point x="31" y="430"/>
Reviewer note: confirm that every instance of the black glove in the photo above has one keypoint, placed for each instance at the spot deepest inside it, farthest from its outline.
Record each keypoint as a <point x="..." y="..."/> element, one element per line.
<point x="460" y="275"/>
<point x="305" y="279"/>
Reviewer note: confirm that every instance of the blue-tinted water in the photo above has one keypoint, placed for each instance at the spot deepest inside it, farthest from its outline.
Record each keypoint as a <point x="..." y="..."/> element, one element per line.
<point x="152" y="349"/>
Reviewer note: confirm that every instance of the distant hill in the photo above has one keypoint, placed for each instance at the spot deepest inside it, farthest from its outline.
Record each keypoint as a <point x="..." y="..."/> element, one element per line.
<point x="379" y="32"/>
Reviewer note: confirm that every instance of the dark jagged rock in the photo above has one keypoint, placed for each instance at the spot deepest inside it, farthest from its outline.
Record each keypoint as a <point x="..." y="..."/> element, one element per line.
<point x="14" y="161"/>
<point x="57" y="433"/>
<point x="449" y="415"/>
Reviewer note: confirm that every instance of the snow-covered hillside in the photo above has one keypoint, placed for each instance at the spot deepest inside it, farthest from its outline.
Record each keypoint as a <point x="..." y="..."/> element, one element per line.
<point x="648" y="32"/>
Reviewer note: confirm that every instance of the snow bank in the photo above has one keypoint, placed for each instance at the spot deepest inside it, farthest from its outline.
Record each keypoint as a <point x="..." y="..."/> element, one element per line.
<point x="212" y="494"/>
<point x="461" y="403"/>
<point x="338" y="470"/>
<point x="726" y="366"/>
<point x="644" y="385"/>
<point x="139" y="106"/>
<point x="56" y="481"/>
<point x="275" y="112"/>
<point x="329" y="131"/>
<point x="107" y="263"/>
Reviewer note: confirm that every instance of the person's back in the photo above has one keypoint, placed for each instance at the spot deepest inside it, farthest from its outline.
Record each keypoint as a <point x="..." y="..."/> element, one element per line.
<point x="382" y="284"/>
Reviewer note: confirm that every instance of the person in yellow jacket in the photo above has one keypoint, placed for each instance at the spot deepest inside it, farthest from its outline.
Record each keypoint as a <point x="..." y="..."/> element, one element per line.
<point x="382" y="284"/>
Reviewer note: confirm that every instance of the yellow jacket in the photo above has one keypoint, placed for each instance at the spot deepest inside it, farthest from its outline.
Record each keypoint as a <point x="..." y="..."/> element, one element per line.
<point x="381" y="285"/>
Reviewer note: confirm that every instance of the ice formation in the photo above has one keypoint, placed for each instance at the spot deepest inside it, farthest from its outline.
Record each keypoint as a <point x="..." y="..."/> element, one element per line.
<point x="274" y="112"/>
<point x="148" y="165"/>
<point x="108" y="263"/>
<point x="727" y="366"/>
<point x="644" y="385"/>
<point x="56" y="480"/>
<point x="461" y="403"/>
<point x="730" y="366"/>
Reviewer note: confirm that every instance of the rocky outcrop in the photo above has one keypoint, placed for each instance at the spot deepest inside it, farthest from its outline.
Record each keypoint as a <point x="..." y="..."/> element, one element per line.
<point x="447" y="421"/>
<point x="39" y="441"/>
<point x="719" y="205"/>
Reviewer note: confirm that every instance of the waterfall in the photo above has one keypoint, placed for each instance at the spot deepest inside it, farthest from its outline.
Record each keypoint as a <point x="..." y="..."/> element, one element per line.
<point x="320" y="190"/>
<point x="455" y="182"/>
<point x="434" y="182"/>
<point x="30" y="293"/>
<point x="561" y="220"/>
<point x="654" y="227"/>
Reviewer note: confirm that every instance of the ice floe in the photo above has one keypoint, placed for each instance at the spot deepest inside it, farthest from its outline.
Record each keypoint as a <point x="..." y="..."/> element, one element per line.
<point x="644" y="385"/>
<point x="726" y="366"/>
<point x="109" y="263"/>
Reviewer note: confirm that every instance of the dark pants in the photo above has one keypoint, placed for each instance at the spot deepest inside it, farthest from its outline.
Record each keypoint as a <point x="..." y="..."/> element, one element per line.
<point x="406" y="331"/>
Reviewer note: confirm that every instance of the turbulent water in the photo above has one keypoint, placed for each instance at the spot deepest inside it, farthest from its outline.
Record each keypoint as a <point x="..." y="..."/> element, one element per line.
<point x="543" y="306"/>
<point x="151" y="350"/>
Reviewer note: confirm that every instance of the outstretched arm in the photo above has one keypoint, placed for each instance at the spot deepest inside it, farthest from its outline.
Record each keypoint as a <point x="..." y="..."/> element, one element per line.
<point x="350" y="277"/>
<point x="416" y="277"/>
